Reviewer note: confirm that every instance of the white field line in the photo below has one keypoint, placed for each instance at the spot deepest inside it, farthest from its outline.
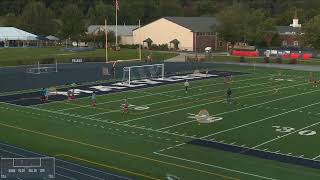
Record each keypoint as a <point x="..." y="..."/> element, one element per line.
<point x="254" y="122"/>
<point x="215" y="166"/>
<point x="294" y="132"/>
<point x="243" y="108"/>
<point x="185" y="97"/>
<point x="205" y="104"/>
<point x="154" y="94"/>
<point x="97" y="120"/>
<point x="315" y="157"/>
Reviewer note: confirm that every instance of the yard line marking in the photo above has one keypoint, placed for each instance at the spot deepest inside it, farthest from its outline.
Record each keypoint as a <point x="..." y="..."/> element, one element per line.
<point x="214" y="166"/>
<point x="67" y="162"/>
<point x="267" y="142"/>
<point x="315" y="157"/>
<point x="176" y="90"/>
<point x="261" y="120"/>
<point x="184" y="97"/>
<point x="240" y="109"/>
<point x="79" y="173"/>
<point x="206" y="104"/>
<point x="114" y="151"/>
<point x="65" y="176"/>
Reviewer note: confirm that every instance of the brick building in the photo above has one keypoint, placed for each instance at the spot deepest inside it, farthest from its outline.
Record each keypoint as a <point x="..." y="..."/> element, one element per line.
<point x="181" y="33"/>
<point x="290" y="36"/>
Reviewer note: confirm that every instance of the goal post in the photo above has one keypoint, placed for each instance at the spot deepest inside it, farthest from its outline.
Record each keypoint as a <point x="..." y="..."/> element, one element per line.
<point x="152" y="71"/>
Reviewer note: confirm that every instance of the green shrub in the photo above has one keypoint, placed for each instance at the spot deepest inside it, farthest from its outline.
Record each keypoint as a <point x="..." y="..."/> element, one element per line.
<point x="242" y="59"/>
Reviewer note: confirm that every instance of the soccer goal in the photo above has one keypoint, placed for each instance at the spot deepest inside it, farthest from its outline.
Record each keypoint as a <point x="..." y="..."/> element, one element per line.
<point x="134" y="73"/>
<point x="43" y="68"/>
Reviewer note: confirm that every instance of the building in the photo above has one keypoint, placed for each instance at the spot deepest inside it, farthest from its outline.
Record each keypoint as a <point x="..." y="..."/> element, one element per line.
<point x="290" y="36"/>
<point x="180" y="33"/>
<point x="14" y="37"/>
<point x="125" y="32"/>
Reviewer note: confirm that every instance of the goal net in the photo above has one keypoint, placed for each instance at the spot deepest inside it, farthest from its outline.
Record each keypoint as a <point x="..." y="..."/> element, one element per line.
<point x="42" y="68"/>
<point x="134" y="73"/>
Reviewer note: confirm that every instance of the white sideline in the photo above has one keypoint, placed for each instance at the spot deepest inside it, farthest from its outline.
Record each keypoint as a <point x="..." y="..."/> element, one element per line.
<point x="105" y="121"/>
<point x="165" y="92"/>
<point x="184" y="97"/>
<point x="215" y="166"/>
<point x="204" y="104"/>
<point x="245" y="108"/>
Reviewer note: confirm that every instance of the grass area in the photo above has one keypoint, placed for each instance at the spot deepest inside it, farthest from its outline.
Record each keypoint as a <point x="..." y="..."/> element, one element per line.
<point x="24" y="56"/>
<point x="271" y="112"/>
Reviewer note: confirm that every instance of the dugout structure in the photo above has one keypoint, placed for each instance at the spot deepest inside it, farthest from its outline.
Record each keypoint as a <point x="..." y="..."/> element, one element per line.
<point x="133" y="73"/>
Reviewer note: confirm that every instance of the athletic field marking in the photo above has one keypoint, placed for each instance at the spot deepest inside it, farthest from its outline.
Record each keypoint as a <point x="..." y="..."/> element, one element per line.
<point x="17" y="154"/>
<point x="185" y="97"/>
<point x="176" y="90"/>
<point x="79" y="173"/>
<point x="291" y="132"/>
<point x="65" y="176"/>
<point x="215" y="166"/>
<point x="315" y="157"/>
<point x="111" y="150"/>
<point x="205" y="104"/>
<point x="261" y="120"/>
<point x="105" y="121"/>
<point x="85" y="167"/>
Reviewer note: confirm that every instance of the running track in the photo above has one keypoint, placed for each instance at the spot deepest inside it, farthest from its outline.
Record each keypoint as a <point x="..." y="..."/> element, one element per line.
<point x="65" y="170"/>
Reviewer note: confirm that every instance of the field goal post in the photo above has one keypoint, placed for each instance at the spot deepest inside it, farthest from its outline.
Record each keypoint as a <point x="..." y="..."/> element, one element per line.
<point x="152" y="71"/>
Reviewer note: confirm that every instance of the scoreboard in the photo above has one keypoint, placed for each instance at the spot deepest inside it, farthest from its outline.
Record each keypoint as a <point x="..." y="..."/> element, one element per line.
<point x="43" y="167"/>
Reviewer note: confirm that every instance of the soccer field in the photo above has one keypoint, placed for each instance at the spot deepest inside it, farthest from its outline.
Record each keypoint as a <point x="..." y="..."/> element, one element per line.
<point x="270" y="130"/>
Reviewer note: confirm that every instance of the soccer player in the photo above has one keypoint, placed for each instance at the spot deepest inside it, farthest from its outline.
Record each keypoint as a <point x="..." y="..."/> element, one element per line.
<point x="94" y="99"/>
<point x="126" y="106"/>
<point x="186" y="85"/>
<point x="42" y="95"/>
<point x="229" y="93"/>
<point x="46" y="94"/>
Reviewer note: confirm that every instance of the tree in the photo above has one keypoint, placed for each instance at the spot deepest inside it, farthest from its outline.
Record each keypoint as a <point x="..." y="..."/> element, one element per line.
<point x="238" y="24"/>
<point x="38" y="19"/>
<point x="311" y="31"/>
<point x="100" y="12"/>
<point x="72" y="22"/>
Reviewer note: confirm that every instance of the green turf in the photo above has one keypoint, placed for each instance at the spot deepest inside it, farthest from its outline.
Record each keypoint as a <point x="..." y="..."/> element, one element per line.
<point x="150" y="143"/>
<point x="22" y="56"/>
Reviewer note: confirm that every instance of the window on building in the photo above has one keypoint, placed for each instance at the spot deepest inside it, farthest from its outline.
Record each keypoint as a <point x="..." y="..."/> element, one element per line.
<point x="284" y="43"/>
<point x="220" y="44"/>
<point x="296" y="43"/>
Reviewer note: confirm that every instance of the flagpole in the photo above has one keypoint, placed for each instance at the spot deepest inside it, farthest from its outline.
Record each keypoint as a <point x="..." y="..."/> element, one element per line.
<point x="106" y="33"/>
<point x="117" y="8"/>
<point x="140" y="56"/>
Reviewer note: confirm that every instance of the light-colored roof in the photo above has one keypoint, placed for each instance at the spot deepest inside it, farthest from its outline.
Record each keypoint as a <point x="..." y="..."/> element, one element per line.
<point x="123" y="30"/>
<point x="12" y="33"/>
<point x="52" y="38"/>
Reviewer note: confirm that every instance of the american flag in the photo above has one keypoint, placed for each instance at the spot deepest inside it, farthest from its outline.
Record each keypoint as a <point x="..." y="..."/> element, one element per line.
<point x="117" y="5"/>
